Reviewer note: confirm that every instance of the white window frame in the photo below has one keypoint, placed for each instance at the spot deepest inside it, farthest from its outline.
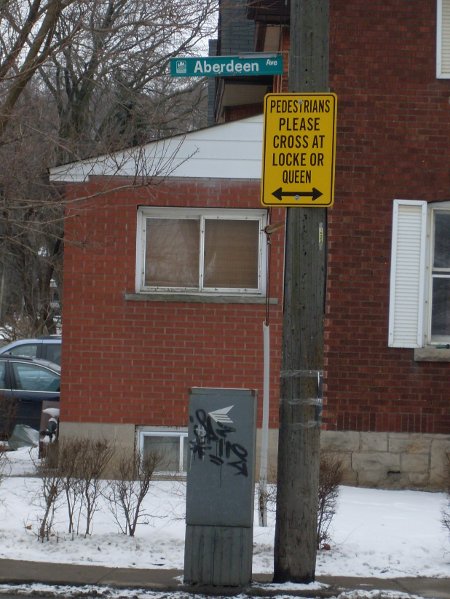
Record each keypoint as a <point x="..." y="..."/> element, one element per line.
<point x="410" y="303"/>
<point x="432" y="273"/>
<point x="443" y="39"/>
<point x="145" y="212"/>
<point x="181" y="433"/>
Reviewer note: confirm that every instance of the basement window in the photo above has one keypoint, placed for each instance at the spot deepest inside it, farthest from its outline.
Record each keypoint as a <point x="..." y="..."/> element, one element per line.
<point x="170" y="446"/>
<point x="203" y="251"/>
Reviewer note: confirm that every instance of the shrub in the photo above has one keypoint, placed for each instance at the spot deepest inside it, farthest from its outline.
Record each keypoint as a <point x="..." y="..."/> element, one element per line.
<point x="82" y="464"/>
<point x="50" y="495"/>
<point x="126" y="493"/>
<point x="330" y="477"/>
<point x="8" y="411"/>
<point x="3" y="462"/>
<point x="446" y="508"/>
<point x="74" y="468"/>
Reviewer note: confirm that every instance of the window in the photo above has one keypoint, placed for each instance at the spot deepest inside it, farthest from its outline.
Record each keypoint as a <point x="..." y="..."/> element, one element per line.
<point x="29" y="350"/>
<point x="53" y="352"/>
<point x="419" y="313"/>
<point x="440" y="276"/>
<point x="201" y="251"/>
<point x="443" y="39"/>
<point x="169" y="444"/>
<point x="2" y="375"/>
<point x="30" y="377"/>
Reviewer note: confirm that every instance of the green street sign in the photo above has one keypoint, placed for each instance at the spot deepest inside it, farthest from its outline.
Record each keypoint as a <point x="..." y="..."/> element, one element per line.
<point x="227" y="66"/>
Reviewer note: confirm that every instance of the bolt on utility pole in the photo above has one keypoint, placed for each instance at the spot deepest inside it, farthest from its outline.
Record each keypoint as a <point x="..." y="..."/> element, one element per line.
<point x="304" y="299"/>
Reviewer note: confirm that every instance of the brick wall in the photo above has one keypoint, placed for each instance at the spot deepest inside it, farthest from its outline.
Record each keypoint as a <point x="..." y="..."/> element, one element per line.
<point x="133" y="362"/>
<point x="393" y="135"/>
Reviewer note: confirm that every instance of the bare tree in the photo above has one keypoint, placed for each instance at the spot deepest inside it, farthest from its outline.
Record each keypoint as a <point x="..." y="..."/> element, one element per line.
<point x="121" y="55"/>
<point x="30" y="218"/>
<point x="27" y="41"/>
<point x="80" y="78"/>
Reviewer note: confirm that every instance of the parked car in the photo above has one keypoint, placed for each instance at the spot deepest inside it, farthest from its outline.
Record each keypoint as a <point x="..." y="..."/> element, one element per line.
<point x="24" y="384"/>
<point x="46" y="348"/>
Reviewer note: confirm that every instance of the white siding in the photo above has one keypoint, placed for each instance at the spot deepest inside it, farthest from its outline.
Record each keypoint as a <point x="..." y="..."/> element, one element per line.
<point x="229" y="151"/>
<point x="443" y="39"/>
<point x="406" y="303"/>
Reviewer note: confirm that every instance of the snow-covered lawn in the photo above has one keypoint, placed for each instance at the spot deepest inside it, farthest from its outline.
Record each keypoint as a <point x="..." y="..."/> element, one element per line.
<point x="375" y="533"/>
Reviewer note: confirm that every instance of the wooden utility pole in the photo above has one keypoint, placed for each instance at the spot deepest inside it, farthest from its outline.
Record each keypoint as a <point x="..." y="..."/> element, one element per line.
<point x="302" y="360"/>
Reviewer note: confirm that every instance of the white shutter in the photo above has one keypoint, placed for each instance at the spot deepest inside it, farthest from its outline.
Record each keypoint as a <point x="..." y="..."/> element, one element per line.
<point x="406" y="302"/>
<point x="443" y="40"/>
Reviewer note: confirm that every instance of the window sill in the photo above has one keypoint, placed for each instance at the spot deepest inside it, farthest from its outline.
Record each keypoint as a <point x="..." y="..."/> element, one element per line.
<point x="432" y="354"/>
<point x="198" y="298"/>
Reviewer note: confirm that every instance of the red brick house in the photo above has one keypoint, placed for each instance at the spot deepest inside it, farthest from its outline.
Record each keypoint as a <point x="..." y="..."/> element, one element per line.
<point x="166" y="283"/>
<point x="136" y="338"/>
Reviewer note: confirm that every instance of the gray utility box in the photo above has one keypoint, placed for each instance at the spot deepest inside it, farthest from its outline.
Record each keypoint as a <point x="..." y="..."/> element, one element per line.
<point x="220" y="487"/>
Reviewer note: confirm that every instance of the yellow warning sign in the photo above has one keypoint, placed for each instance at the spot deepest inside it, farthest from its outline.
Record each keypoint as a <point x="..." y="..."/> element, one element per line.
<point x="299" y="150"/>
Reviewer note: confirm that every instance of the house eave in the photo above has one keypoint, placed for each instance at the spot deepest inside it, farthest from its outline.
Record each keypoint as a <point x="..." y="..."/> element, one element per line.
<point x="232" y="151"/>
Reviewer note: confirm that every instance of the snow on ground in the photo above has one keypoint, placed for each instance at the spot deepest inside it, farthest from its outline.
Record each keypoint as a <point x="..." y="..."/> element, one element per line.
<point x="375" y="533"/>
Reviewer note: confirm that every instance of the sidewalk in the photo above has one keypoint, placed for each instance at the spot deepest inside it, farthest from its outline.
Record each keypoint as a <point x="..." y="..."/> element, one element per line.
<point x="20" y="573"/>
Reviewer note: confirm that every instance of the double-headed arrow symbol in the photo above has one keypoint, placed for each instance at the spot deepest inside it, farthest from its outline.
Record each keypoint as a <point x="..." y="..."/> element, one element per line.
<point x="314" y="194"/>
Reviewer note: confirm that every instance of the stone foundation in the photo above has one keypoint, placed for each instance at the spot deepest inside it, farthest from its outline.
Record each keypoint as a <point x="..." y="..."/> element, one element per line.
<point x="391" y="460"/>
<point x="384" y="460"/>
<point x="120" y="436"/>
